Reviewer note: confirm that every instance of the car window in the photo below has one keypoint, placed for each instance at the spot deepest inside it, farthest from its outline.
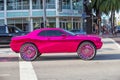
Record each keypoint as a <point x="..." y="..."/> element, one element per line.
<point x="51" y="33"/>
<point x="13" y="30"/>
<point x="2" y="29"/>
<point x="70" y="33"/>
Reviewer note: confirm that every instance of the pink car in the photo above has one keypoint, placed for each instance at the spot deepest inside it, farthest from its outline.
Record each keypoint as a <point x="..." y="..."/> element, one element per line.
<point x="55" y="40"/>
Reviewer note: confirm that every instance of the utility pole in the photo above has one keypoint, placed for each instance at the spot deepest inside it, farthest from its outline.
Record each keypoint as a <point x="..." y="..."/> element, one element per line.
<point x="88" y="12"/>
<point x="44" y="13"/>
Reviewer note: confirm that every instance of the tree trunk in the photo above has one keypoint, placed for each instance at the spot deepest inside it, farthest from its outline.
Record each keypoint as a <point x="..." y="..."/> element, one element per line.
<point x="98" y="15"/>
<point x="113" y="21"/>
<point x="88" y="23"/>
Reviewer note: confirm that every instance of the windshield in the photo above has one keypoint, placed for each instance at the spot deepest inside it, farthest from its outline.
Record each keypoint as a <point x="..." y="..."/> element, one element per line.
<point x="70" y="33"/>
<point x="18" y="29"/>
<point x="13" y="29"/>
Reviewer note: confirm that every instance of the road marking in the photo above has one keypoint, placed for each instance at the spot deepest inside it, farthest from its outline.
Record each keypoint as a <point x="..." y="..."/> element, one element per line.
<point x="115" y="43"/>
<point x="26" y="71"/>
<point x="4" y="75"/>
<point x="106" y="40"/>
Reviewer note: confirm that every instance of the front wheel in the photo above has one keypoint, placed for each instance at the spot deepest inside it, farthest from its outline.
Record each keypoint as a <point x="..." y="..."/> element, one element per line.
<point x="28" y="52"/>
<point x="86" y="51"/>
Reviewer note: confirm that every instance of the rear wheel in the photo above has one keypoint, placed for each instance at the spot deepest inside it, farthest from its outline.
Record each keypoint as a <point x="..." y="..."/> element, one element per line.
<point x="86" y="51"/>
<point x="28" y="52"/>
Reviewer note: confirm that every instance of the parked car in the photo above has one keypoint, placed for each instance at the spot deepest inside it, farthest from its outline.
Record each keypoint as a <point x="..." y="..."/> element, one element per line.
<point x="36" y="28"/>
<point x="55" y="40"/>
<point x="77" y="31"/>
<point x="118" y="29"/>
<point x="7" y="32"/>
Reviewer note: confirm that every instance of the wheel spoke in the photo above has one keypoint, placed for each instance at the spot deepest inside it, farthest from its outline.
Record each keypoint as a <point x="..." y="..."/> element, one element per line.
<point x="86" y="51"/>
<point x="28" y="52"/>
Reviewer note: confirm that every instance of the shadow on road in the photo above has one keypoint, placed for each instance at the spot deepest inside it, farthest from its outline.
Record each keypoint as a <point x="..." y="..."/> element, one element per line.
<point x="64" y="57"/>
<point x="9" y="59"/>
<point x="109" y="42"/>
<point x="73" y="57"/>
<point x="56" y="58"/>
<point x="107" y="57"/>
<point x="6" y="46"/>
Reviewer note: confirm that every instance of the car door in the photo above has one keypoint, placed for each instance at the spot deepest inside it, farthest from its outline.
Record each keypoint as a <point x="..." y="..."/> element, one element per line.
<point x="5" y="37"/>
<point x="57" y="41"/>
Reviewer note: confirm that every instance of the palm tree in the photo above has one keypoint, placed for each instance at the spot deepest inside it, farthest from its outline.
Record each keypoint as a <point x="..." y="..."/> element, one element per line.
<point x="111" y="6"/>
<point x="106" y="6"/>
<point x="96" y="5"/>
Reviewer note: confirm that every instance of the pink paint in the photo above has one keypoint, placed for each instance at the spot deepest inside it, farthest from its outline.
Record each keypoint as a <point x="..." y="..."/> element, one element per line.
<point x="54" y="44"/>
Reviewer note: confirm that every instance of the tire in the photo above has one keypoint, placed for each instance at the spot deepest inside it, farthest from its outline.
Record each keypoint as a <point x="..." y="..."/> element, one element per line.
<point x="38" y="55"/>
<point x="86" y="51"/>
<point x="28" y="52"/>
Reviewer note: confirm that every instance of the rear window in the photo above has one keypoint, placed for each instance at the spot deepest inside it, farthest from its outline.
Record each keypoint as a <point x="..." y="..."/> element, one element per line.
<point x="2" y="29"/>
<point x="51" y="33"/>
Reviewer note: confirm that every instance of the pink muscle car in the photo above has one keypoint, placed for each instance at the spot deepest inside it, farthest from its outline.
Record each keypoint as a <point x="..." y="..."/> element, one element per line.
<point x="55" y="40"/>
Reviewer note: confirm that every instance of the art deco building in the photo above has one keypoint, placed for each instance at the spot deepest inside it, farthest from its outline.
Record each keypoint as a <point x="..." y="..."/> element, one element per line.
<point x="28" y="14"/>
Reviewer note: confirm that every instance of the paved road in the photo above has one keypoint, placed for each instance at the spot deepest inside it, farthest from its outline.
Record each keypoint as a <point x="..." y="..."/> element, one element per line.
<point x="105" y="66"/>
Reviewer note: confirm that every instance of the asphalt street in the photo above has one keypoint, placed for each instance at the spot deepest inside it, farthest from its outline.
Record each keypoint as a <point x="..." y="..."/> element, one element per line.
<point x="64" y="66"/>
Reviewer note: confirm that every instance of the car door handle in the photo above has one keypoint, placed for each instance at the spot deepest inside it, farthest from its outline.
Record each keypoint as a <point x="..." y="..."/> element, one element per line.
<point x="63" y="37"/>
<point x="48" y="38"/>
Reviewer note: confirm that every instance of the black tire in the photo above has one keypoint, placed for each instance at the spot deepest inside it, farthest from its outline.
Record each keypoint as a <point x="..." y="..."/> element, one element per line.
<point x="38" y="55"/>
<point x="28" y="52"/>
<point x="86" y="51"/>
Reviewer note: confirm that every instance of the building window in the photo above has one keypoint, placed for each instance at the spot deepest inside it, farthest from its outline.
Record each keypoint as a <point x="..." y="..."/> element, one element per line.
<point x="2" y="22"/>
<point x="17" y="4"/>
<point x="50" y="4"/>
<point x="66" y="23"/>
<point x="21" y="23"/>
<point x="51" y="22"/>
<point x="1" y="5"/>
<point x="77" y="4"/>
<point x="77" y="23"/>
<point x="37" y="23"/>
<point x="66" y="4"/>
<point x="37" y="4"/>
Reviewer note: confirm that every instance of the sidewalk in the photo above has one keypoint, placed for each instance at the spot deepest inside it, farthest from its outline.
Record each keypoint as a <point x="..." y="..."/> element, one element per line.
<point x="115" y="38"/>
<point x="110" y="36"/>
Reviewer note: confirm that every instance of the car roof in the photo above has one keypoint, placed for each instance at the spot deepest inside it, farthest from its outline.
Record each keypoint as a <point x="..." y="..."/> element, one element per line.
<point x="42" y="29"/>
<point x="49" y="29"/>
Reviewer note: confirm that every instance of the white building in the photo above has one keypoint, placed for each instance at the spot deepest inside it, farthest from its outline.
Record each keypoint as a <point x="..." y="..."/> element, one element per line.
<point x="28" y="14"/>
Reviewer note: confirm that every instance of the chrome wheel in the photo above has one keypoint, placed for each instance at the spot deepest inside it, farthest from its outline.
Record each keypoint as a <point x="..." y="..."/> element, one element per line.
<point x="28" y="52"/>
<point x="86" y="51"/>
